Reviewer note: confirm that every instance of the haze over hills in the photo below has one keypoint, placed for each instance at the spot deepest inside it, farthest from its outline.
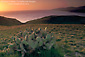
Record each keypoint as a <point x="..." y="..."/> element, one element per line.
<point x="59" y="20"/>
<point x="72" y="9"/>
<point x="65" y="9"/>
<point x="9" y="21"/>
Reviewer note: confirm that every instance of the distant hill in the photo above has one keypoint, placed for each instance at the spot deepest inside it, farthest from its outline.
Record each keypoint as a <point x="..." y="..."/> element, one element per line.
<point x="72" y="9"/>
<point x="59" y="20"/>
<point x="9" y="21"/>
<point x="79" y="9"/>
<point x="65" y="9"/>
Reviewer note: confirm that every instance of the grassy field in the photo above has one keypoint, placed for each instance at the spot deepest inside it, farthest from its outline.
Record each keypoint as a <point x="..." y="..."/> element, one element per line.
<point x="71" y="37"/>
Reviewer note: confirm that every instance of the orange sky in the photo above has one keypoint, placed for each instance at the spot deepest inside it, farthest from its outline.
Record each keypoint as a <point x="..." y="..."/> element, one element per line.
<point x="38" y="5"/>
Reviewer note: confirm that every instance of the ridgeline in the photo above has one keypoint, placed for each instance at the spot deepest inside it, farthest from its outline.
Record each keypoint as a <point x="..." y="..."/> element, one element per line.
<point x="59" y="20"/>
<point x="45" y="20"/>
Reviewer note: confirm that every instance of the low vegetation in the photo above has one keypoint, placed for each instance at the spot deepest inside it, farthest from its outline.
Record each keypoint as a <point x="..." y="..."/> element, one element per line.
<point x="70" y="39"/>
<point x="35" y="42"/>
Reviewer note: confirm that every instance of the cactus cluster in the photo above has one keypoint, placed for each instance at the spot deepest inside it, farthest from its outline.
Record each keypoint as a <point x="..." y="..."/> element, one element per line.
<point x="32" y="39"/>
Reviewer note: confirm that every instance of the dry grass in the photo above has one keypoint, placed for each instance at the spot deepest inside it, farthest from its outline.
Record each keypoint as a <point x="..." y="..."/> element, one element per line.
<point x="71" y="37"/>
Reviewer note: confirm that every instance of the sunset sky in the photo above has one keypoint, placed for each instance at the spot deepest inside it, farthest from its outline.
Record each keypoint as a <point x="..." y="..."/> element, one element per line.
<point x="38" y="4"/>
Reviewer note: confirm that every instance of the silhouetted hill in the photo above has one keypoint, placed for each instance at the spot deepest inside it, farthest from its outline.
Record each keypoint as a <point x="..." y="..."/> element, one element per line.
<point x="59" y="20"/>
<point x="79" y="9"/>
<point x="9" y="21"/>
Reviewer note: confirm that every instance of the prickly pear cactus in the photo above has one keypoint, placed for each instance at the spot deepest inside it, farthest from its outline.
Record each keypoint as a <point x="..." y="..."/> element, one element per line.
<point x="32" y="39"/>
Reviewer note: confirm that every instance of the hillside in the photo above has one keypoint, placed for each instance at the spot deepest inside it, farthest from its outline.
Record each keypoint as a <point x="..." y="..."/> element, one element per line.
<point x="59" y="20"/>
<point x="45" y="20"/>
<point x="80" y="9"/>
<point x="8" y="21"/>
<point x="70" y="38"/>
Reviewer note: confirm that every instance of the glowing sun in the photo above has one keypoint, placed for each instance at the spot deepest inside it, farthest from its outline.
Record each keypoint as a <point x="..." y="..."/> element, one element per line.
<point x="3" y="7"/>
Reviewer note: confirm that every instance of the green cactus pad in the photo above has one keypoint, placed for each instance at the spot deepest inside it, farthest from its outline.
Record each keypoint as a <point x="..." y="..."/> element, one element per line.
<point x="31" y="43"/>
<point x="48" y="37"/>
<point x="40" y="42"/>
<point x="25" y="42"/>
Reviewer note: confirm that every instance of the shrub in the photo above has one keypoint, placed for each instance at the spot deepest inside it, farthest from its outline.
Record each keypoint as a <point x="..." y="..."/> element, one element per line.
<point x="34" y="42"/>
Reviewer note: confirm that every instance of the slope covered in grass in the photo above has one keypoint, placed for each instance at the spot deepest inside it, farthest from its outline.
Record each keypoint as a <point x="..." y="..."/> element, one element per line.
<point x="8" y="21"/>
<point x="70" y="37"/>
<point x="59" y="20"/>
